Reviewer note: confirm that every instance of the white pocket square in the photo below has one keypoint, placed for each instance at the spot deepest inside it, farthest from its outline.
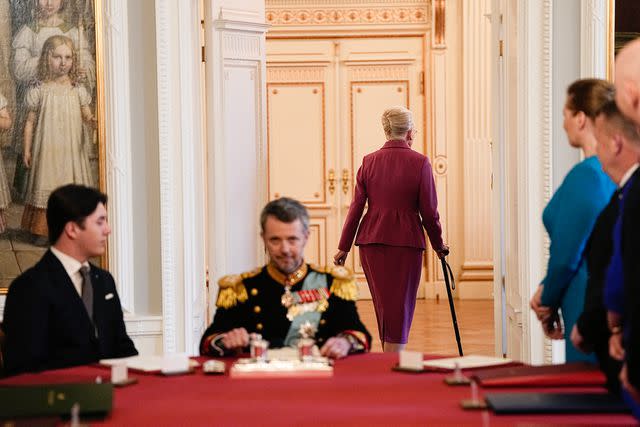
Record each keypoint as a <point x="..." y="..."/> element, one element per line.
<point x="108" y="296"/>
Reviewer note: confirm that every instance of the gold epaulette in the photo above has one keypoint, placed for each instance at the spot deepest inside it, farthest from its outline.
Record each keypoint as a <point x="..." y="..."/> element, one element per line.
<point x="344" y="283"/>
<point x="252" y="273"/>
<point x="231" y="292"/>
<point x="318" y="268"/>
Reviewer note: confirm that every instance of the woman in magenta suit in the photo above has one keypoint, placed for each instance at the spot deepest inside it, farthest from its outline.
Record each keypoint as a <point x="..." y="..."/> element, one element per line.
<point x="398" y="185"/>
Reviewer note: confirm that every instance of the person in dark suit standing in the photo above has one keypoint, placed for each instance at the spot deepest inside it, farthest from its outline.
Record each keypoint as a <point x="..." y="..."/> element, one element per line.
<point x="399" y="187"/>
<point x="65" y="311"/>
<point x="627" y="83"/>
<point x="617" y="150"/>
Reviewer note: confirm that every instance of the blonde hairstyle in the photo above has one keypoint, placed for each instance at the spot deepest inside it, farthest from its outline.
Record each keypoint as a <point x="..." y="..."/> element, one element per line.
<point x="396" y="122"/>
<point x="44" y="73"/>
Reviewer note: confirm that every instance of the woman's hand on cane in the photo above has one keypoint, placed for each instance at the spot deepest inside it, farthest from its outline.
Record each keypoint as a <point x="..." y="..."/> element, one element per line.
<point x="443" y="251"/>
<point x="340" y="257"/>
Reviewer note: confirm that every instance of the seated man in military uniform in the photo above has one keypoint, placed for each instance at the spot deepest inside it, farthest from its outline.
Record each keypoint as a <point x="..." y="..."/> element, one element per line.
<point x="287" y="295"/>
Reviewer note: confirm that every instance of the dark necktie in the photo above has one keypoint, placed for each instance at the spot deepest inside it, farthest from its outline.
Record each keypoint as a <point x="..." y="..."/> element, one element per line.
<point x="87" y="290"/>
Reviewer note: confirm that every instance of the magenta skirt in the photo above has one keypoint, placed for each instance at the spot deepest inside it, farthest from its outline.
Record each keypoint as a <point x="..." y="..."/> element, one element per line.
<point x="393" y="276"/>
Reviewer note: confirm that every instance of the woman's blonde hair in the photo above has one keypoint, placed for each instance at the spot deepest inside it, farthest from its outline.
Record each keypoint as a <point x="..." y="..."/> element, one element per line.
<point x="397" y="121"/>
<point x="44" y="73"/>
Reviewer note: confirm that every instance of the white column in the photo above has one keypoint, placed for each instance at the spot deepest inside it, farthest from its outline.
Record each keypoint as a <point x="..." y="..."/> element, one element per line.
<point x="477" y="269"/>
<point x="182" y="202"/>
<point x="112" y="18"/>
<point x="534" y="164"/>
<point x="593" y="39"/>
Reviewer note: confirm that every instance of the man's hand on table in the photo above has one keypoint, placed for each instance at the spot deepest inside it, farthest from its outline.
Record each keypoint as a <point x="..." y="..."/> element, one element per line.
<point x="237" y="338"/>
<point x="336" y="348"/>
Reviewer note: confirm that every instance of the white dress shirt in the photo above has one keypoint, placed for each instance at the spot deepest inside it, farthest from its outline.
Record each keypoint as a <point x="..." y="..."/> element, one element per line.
<point x="627" y="175"/>
<point x="72" y="267"/>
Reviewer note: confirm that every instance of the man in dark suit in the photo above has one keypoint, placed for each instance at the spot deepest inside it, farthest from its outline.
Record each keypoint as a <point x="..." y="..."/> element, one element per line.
<point x="64" y="311"/>
<point x="617" y="149"/>
<point x="627" y="82"/>
<point x="590" y="333"/>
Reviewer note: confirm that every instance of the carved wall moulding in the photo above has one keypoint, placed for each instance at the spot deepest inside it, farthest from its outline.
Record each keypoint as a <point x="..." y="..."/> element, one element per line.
<point x="379" y="73"/>
<point x="323" y="15"/>
<point x="241" y="46"/>
<point x="338" y="3"/>
<point x="295" y="74"/>
<point x="440" y="165"/>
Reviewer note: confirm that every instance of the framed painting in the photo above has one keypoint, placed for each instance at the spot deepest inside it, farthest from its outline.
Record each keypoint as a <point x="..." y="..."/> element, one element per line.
<point x="51" y="127"/>
<point x="624" y="26"/>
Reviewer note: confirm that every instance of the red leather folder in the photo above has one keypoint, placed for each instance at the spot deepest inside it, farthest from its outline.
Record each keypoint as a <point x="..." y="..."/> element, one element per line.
<point x="569" y="374"/>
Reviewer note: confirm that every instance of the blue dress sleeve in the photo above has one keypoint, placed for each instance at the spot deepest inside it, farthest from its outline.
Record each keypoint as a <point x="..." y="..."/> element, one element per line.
<point x="582" y="196"/>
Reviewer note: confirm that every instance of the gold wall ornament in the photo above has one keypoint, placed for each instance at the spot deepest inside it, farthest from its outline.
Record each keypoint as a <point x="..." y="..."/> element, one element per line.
<point x="345" y="180"/>
<point x="407" y="13"/>
<point x="331" y="179"/>
<point x="439" y="23"/>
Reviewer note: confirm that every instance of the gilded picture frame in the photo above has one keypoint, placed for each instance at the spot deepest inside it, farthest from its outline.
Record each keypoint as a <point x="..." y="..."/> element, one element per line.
<point x="623" y="25"/>
<point x="51" y="91"/>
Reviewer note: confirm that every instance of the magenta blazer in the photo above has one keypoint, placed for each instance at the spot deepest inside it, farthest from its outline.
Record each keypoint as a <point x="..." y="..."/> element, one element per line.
<point x="399" y="186"/>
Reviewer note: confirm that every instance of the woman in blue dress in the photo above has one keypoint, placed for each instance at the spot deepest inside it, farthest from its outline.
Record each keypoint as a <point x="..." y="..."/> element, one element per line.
<point x="570" y="216"/>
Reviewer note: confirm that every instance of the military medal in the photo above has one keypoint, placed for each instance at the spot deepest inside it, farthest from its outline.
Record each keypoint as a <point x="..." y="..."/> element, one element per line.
<point x="287" y="299"/>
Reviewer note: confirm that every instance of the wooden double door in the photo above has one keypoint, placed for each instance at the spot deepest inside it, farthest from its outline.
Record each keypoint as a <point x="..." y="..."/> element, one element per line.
<point x="325" y="98"/>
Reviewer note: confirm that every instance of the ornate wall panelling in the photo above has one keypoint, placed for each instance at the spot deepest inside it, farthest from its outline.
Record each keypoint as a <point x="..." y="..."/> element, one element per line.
<point x="378" y="76"/>
<point x="304" y="18"/>
<point x="476" y="280"/>
<point x="522" y="155"/>
<point x="236" y="154"/>
<point x="439" y="89"/>
<point x="301" y="135"/>
<point x="338" y="44"/>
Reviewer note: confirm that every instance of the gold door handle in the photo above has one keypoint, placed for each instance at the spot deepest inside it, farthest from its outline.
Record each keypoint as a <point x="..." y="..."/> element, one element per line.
<point x="345" y="181"/>
<point x="332" y="181"/>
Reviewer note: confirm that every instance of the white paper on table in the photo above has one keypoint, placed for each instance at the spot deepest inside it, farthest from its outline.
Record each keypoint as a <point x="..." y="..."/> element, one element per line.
<point x="175" y="363"/>
<point x="119" y="372"/>
<point x="143" y="363"/>
<point x="466" y="362"/>
<point x="410" y="359"/>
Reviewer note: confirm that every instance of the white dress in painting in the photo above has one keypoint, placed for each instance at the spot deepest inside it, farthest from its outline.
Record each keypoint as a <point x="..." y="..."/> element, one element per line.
<point x="60" y="154"/>
<point x="5" y="194"/>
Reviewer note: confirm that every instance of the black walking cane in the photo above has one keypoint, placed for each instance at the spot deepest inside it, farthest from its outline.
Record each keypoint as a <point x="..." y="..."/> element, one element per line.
<point x="446" y="269"/>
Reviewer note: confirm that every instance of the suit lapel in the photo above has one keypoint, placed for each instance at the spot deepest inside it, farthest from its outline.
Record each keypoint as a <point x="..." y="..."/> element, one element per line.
<point x="63" y="284"/>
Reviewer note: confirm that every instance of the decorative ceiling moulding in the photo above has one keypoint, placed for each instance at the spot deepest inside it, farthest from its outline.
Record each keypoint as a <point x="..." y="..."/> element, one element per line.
<point x="338" y="3"/>
<point x="399" y="16"/>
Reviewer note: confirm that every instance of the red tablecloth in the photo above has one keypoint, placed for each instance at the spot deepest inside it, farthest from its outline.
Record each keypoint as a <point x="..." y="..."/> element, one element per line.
<point x="363" y="391"/>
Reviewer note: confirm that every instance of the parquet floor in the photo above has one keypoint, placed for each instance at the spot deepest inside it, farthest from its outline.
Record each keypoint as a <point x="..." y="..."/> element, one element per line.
<point x="432" y="329"/>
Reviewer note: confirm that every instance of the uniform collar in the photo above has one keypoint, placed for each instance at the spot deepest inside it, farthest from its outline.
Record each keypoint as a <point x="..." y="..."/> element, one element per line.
<point x="396" y="143"/>
<point x="287" y="279"/>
